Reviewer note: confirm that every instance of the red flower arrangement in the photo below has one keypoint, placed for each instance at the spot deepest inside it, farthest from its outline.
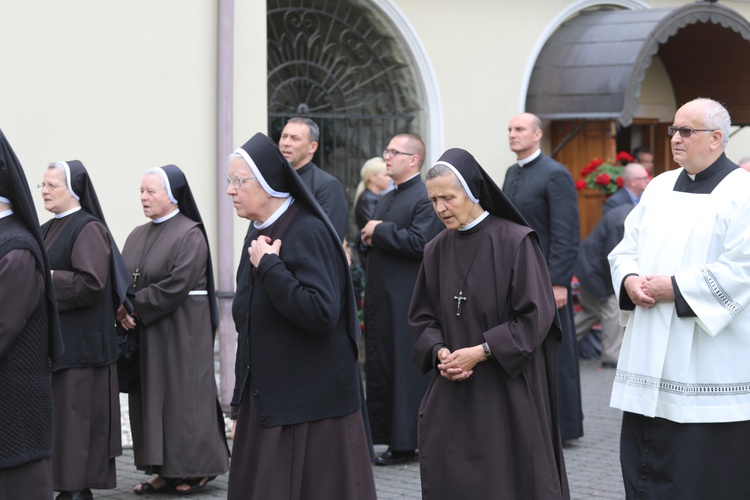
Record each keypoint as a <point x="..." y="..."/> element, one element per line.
<point x="606" y="177"/>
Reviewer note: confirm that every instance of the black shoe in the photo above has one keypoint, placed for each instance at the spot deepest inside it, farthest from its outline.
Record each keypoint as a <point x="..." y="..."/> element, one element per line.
<point x="394" y="457"/>
<point x="76" y="495"/>
<point x="609" y="364"/>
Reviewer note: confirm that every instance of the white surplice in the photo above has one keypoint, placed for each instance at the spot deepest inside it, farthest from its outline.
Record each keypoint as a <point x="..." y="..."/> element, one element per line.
<point x="690" y="369"/>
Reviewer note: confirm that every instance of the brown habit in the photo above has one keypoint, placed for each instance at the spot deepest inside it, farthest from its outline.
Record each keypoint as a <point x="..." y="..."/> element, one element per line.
<point x="494" y="435"/>
<point x="87" y="405"/>
<point x="174" y="415"/>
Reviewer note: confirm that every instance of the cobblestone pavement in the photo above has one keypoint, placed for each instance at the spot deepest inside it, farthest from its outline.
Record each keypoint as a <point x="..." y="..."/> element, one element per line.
<point x="592" y="461"/>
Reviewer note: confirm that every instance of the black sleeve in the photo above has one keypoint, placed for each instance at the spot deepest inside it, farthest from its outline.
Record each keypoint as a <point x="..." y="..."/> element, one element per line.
<point x="683" y="308"/>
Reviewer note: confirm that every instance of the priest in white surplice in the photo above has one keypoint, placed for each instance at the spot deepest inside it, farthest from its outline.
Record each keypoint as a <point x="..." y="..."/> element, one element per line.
<point x="682" y="274"/>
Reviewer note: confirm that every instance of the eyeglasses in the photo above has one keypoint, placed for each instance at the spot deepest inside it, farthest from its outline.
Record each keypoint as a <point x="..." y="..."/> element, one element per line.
<point x="236" y="180"/>
<point x="51" y="186"/>
<point x="686" y="131"/>
<point x="395" y="152"/>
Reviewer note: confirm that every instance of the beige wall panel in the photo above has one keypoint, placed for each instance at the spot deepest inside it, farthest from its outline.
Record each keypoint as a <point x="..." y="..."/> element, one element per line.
<point x="250" y="87"/>
<point x="122" y="86"/>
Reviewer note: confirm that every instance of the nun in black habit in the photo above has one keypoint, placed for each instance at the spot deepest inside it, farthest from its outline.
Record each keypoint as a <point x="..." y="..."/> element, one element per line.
<point x="299" y="428"/>
<point x="90" y="283"/>
<point x="29" y="339"/>
<point x="178" y="428"/>
<point x="483" y="317"/>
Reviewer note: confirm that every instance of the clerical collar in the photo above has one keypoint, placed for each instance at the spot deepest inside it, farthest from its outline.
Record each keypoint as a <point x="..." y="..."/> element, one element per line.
<point x="705" y="181"/>
<point x="166" y="217"/>
<point x="278" y="213"/>
<point x="474" y="222"/>
<point x="403" y="184"/>
<point x="304" y="168"/>
<point x="65" y="214"/>
<point x="529" y="159"/>
<point x="6" y="213"/>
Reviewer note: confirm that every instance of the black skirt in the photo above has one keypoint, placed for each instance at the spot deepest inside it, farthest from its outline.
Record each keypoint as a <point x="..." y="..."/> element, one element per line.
<point x="662" y="459"/>
<point x="322" y="460"/>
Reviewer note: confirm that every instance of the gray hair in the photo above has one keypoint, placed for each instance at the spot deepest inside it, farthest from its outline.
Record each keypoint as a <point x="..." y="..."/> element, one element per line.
<point x="440" y="170"/>
<point x="631" y="170"/>
<point x="717" y="118"/>
<point x="60" y="167"/>
<point x="159" y="174"/>
<point x="312" y="127"/>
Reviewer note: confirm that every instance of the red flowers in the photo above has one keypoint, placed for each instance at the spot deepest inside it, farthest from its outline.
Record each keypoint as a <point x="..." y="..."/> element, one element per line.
<point x="623" y="158"/>
<point x="606" y="177"/>
<point x="602" y="179"/>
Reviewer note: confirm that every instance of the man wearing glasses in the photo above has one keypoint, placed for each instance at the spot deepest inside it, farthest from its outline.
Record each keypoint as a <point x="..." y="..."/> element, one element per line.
<point x="681" y="274"/>
<point x="634" y="178"/>
<point x="394" y="241"/>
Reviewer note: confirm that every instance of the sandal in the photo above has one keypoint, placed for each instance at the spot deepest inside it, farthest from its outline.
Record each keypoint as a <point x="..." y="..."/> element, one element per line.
<point x="194" y="484"/>
<point x="148" y="488"/>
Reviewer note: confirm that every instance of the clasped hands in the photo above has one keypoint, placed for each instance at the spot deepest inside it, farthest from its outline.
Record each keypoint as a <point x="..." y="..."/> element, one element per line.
<point x="647" y="291"/>
<point x="262" y="246"/>
<point x="459" y="365"/>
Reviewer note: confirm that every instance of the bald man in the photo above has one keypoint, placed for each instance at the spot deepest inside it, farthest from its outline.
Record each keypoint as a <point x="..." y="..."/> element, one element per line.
<point x="634" y="178"/>
<point x="544" y="193"/>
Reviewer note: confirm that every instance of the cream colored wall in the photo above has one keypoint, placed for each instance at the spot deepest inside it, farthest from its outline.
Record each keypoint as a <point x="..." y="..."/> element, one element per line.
<point x="123" y="87"/>
<point x="657" y="98"/>
<point x="480" y="54"/>
<point x="250" y="87"/>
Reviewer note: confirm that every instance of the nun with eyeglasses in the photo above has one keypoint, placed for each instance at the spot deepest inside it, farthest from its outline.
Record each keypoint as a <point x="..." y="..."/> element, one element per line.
<point x="90" y="283"/>
<point x="177" y="425"/>
<point x="300" y="431"/>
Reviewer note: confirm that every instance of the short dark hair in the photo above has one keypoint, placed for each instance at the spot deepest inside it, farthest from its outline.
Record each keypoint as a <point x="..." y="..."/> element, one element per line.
<point x="311" y="126"/>
<point x="640" y="150"/>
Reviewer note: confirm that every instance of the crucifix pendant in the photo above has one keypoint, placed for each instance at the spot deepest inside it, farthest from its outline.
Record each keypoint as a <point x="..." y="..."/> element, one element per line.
<point x="458" y="298"/>
<point x="136" y="274"/>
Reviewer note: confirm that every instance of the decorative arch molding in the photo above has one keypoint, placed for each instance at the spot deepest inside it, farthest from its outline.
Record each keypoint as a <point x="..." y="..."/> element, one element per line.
<point x="434" y="130"/>
<point x="592" y="67"/>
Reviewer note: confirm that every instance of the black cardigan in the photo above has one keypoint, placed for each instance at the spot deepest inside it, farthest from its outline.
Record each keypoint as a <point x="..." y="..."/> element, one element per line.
<point x="291" y="313"/>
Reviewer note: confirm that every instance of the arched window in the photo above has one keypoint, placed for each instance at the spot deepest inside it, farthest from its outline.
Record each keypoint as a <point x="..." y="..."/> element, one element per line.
<point x="340" y="64"/>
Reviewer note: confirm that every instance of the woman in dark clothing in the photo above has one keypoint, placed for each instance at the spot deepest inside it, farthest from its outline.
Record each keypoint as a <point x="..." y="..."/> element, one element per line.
<point x="29" y="338"/>
<point x="178" y="429"/>
<point x="297" y="390"/>
<point x="373" y="184"/>
<point x="483" y="319"/>
<point x="88" y="290"/>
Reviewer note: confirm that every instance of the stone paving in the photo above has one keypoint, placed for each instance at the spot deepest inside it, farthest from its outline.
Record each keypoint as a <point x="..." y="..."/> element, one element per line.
<point x="592" y="461"/>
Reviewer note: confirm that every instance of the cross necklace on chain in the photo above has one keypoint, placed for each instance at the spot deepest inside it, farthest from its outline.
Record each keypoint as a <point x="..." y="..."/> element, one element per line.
<point x="461" y="279"/>
<point x="153" y="231"/>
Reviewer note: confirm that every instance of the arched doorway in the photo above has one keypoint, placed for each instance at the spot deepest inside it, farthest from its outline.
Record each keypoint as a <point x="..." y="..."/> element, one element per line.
<point x="342" y="65"/>
<point x="588" y="80"/>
